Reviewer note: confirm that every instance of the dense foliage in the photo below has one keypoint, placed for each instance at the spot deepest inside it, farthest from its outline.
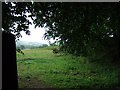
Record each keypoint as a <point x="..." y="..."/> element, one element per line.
<point x="83" y="28"/>
<point x="14" y="17"/>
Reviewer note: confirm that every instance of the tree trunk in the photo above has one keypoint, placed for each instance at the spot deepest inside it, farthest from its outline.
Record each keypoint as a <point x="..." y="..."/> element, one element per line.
<point x="9" y="66"/>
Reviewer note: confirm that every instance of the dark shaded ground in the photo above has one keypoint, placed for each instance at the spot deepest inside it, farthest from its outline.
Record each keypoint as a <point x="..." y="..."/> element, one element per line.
<point x="34" y="82"/>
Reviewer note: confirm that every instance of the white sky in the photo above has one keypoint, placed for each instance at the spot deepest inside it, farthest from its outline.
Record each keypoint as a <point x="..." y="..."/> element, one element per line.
<point x="36" y="35"/>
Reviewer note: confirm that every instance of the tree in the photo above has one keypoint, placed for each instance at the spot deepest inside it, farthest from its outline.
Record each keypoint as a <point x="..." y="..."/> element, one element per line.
<point x="22" y="47"/>
<point x="83" y="28"/>
<point x="44" y="45"/>
<point x="15" y="18"/>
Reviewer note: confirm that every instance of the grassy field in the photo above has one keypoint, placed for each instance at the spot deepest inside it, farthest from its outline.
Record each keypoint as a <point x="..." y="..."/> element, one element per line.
<point x="40" y="68"/>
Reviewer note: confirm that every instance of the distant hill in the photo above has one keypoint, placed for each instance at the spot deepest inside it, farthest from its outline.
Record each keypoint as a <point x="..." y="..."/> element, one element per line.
<point x="28" y="45"/>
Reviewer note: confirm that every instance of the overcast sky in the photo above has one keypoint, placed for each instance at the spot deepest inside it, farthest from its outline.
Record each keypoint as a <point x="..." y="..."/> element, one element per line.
<point x="36" y="35"/>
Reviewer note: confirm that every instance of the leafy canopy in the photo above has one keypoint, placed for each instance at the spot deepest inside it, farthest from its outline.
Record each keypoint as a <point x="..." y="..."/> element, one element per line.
<point x="83" y="28"/>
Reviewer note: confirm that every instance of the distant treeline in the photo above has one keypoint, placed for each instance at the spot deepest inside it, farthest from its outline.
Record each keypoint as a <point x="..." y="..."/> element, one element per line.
<point x="30" y="46"/>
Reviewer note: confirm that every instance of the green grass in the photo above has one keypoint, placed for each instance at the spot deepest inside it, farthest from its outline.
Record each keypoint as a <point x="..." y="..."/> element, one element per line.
<point x="40" y="68"/>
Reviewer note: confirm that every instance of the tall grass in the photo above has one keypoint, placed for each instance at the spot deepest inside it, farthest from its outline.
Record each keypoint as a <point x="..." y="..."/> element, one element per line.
<point x="40" y="68"/>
